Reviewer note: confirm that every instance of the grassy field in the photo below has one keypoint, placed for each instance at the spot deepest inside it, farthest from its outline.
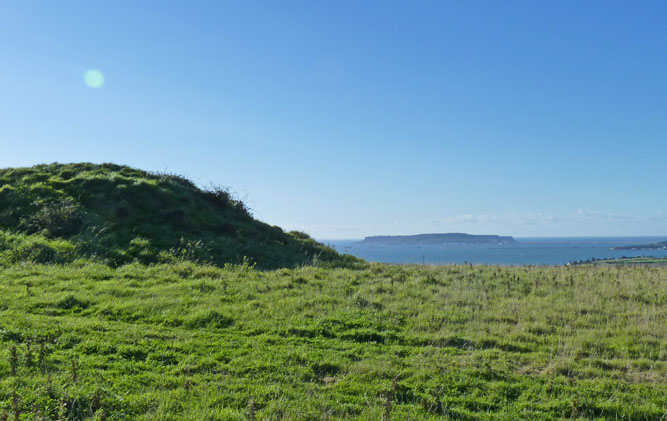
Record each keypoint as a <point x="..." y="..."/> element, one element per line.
<point x="186" y="341"/>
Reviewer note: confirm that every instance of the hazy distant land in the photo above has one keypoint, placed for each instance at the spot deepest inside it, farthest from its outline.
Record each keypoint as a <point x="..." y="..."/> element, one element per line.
<point x="437" y="239"/>
<point x="636" y="260"/>
<point x="653" y="246"/>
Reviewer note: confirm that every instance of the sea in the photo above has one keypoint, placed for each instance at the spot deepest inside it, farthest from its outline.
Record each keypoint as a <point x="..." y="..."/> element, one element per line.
<point x="539" y="251"/>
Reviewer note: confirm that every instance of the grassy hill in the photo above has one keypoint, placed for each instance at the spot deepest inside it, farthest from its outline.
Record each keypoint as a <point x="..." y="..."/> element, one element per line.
<point x="116" y="214"/>
<point x="186" y="341"/>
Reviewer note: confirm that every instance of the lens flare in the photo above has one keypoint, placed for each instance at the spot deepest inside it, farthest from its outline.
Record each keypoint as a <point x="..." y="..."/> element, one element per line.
<point x="93" y="78"/>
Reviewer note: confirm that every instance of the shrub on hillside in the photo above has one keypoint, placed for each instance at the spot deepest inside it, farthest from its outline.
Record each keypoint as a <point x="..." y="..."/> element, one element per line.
<point x="60" y="218"/>
<point x="300" y="235"/>
<point x="21" y="248"/>
<point x="222" y="197"/>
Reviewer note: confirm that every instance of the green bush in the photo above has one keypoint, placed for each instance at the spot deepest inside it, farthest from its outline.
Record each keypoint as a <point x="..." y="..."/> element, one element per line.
<point x="17" y="248"/>
<point x="60" y="218"/>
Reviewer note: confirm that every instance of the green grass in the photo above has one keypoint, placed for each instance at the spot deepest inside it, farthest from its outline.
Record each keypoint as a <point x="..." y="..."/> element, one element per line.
<point x="116" y="215"/>
<point x="188" y="341"/>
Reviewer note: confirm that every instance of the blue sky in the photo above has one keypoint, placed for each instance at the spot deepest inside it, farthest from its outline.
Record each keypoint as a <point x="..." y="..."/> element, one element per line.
<point x="347" y="119"/>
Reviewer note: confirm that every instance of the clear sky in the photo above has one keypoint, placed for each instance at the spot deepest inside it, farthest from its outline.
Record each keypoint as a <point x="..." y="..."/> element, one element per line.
<point x="354" y="118"/>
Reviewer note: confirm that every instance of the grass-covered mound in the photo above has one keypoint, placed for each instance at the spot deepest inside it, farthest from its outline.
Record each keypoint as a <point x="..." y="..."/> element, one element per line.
<point x="191" y="342"/>
<point x="116" y="214"/>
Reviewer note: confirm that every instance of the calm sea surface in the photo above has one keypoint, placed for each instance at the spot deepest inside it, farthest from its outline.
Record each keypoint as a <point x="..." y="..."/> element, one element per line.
<point x="527" y="251"/>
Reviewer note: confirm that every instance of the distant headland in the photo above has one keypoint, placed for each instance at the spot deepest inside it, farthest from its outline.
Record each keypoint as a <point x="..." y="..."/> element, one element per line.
<point x="654" y="246"/>
<point x="436" y="239"/>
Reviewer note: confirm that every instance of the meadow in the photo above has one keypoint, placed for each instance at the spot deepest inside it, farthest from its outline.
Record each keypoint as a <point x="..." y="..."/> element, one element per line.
<point x="191" y="341"/>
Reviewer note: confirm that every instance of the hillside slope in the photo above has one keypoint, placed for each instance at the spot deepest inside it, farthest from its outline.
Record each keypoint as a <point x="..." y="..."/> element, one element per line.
<point x="117" y="214"/>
